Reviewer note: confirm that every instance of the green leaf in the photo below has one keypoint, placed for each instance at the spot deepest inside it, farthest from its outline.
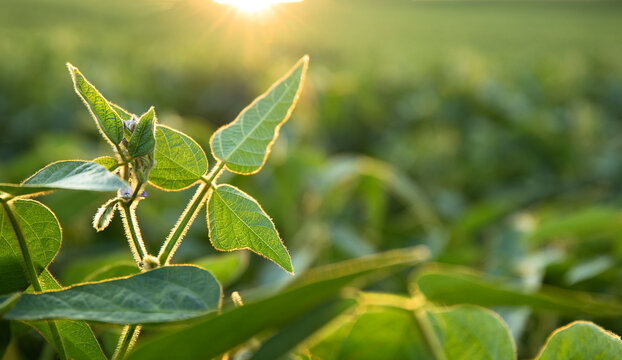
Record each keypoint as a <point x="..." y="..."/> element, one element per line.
<point x="108" y="121"/>
<point x="291" y="336"/>
<point x="236" y="221"/>
<point x="67" y="175"/>
<point x="244" y="144"/>
<point x="468" y="333"/>
<point x="7" y="302"/>
<point x="143" y="140"/>
<point x="450" y="286"/>
<point x="180" y="161"/>
<point x="107" y="161"/>
<point x="124" y="114"/>
<point x="582" y="340"/>
<point x="78" y="338"/>
<point x="42" y="234"/>
<point x="226" y="268"/>
<point x="381" y="333"/>
<point x="272" y="312"/>
<point x="162" y="295"/>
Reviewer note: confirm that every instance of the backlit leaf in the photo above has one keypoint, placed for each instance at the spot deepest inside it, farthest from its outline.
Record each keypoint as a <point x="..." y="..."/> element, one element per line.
<point x="180" y="161"/>
<point x="582" y="340"/>
<point x="382" y="333"/>
<point x="143" y="140"/>
<point x="236" y="221"/>
<point x="106" y="161"/>
<point x="165" y="294"/>
<point x="42" y="234"/>
<point x="244" y="144"/>
<point x="469" y="332"/>
<point x="108" y="121"/>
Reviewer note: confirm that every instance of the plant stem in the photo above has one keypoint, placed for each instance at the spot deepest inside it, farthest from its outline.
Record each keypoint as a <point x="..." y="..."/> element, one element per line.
<point x="32" y="272"/>
<point x="132" y="231"/>
<point x="190" y="213"/>
<point x="428" y="335"/>
<point x="127" y="340"/>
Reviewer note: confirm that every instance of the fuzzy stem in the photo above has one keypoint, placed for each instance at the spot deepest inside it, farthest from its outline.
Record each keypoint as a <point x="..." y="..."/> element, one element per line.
<point x="132" y="231"/>
<point x="32" y="272"/>
<point x="190" y="213"/>
<point x="127" y="340"/>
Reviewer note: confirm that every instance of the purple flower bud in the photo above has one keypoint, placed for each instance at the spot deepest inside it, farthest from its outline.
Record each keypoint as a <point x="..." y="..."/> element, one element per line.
<point x="143" y="194"/>
<point x="126" y="192"/>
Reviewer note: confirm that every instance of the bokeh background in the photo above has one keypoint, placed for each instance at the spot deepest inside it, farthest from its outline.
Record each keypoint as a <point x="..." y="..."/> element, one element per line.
<point x="489" y="130"/>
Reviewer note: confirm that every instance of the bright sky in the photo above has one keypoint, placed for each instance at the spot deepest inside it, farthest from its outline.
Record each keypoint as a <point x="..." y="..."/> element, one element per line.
<point x="251" y="6"/>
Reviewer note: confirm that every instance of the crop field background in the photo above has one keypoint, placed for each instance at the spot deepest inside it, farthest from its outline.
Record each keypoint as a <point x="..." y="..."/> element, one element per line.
<point x="490" y="131"/>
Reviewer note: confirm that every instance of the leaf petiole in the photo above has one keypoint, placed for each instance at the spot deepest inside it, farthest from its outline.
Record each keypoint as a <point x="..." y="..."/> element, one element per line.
<point x="190" y="213"/>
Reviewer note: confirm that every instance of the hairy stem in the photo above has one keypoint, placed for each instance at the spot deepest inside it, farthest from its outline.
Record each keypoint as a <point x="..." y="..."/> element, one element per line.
<point x="128" y="338"/>
<point x="190" y="213"/>
<point x="32" y="272"/>
<point x="132" y="231"/>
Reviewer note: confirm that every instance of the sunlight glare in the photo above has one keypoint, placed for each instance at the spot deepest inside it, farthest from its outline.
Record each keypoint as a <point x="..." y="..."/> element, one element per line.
<point x="253" y="6"/>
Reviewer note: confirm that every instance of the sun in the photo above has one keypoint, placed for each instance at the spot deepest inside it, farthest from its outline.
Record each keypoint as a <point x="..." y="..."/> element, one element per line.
<point x="253" y="6"/>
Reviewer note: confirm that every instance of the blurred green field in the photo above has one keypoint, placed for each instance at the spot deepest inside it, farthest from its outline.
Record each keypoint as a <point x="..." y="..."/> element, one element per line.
<point x="489" y="130"/>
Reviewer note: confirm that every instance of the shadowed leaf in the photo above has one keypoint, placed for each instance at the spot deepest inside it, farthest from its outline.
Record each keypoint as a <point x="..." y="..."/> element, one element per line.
<point x="42" y="234"/>
<point x="67" y="175"/>
<point x="165" y="294"/>
<point x="77" y="336"/>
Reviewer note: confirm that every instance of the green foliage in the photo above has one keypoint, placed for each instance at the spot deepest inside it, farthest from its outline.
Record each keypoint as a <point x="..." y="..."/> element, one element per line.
<point x="290" y="336"/>
<point x="142" y="141"/>
<point x="244" y="144"/>
<point x="68" y="175"/>
<point x="161" y="295"/>
<point x="377" y="333"/>
<point x="511" y="174"/>
<point x="236" y="221"/>
<point x="77" y="337"/>
<point x="453" y="286"/>
<point x="582" y="340"/>
<point x="108" y="121"/>
<point x="180" y="161"/>
<point x="472" y="333"/>
<point x="42" y="235"/>
<point x="271" y="312"/>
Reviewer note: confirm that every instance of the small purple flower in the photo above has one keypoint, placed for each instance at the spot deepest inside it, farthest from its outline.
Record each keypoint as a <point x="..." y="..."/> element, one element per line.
<point x="144" y="194"/>
<point x="126" y="192"/>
